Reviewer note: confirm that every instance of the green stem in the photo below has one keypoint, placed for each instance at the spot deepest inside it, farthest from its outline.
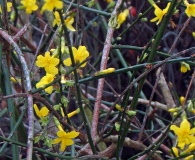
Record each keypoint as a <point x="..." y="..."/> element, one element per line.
<point x="77" y="86"/>
<point x="11" y="107"/>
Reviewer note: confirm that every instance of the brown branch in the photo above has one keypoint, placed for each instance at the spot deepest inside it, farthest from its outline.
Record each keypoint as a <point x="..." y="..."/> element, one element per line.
<point x="131" y="144"/>
<point x="154" y="104"/>
<point x="103" y="66"/>
<point x="24" y="40"/>
<point x="20" y="33"/>
<point x="190" y="85"/>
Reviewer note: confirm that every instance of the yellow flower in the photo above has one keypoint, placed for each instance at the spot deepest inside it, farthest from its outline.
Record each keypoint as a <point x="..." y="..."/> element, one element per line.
<point x="65" y="138"/>
<point x="68" y="21"/>
<point x="184" y="133"/>
<point x="190" y="10"/>
<point x="51" y="4"/>
<point x="122" y="17"/>
<point x="175" y="151"/>
<point x="79" y="56"/>
<point x="57" y="18"/>
<point x="184" y="67"/>
<point x="48" y="62"/>
<point x="43" y="112"/>
<point x="29" y="5"/>
<point x="9" y="5"/>
<point x="46" y="80"/>
<point x="159" y="13"/>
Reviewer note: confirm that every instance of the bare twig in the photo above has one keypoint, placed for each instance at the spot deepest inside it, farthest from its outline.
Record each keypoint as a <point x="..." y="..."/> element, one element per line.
<point x="20" y="33"/>
<point x="24" y="40"/>
<point x="190" y="85"/>
<point x="38" y="48"/>
<point x="154" y="104"/>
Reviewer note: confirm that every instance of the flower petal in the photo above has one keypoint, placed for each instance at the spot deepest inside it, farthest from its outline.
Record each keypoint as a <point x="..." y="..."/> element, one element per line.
<point x="70" y="27"/>
<point x="51" y="69"/>
<point x="67" y="62"/>
<point x="54" y="61"/>
<point x="69" y="142"/>
<point x="154" y="19"/>
<point x="49" y="89"/>
<point x="175" y="151"/>
<point x="37" y="110"/>
<point x="56" y="140"/>
<point x="61" y="133"/>
<point x="181" y="145"/>
<point x="59" y="4"/>
<point x="72" y="134"/>
<point x="41" y="61"/>
<point x="191" y="139"/>
<point x="63" y="146"/>
<point x="44" y="111"/>
<point x="167" y="8"/>
<point x="185" y="125"/>
<point x="192" y="131"/>
<point x="176" y="130"/>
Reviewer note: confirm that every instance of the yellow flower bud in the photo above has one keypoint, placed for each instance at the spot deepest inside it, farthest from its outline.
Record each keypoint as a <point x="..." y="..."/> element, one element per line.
<point x="184" y="67"/>
<point x="172" y="110"/>
<point x="13" y="80"/>
<point x="190" y="148"/>
<point x="61" y="111"/>
<point x="117" y="126"/>
<point x="175" y="151"/>
<point x="193" y="34"/>
<point x="175" y="114"/>
<point x="105" y="71"/>
<point x="119" y="108"/>
<point x="63" y="79"/>
<point x="131" y="113"/>
<point x="182" y="100"/>
<point x="73" y="113"/>
<point x="189" y="157"/>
